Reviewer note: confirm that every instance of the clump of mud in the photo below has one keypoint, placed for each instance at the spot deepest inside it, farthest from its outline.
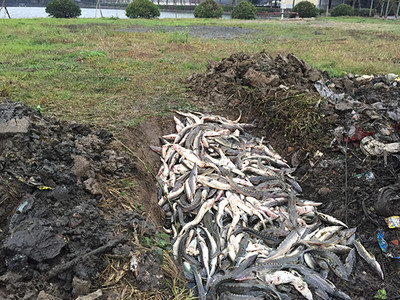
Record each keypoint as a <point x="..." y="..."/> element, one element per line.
<point x="252" y="79"/>
<point x="57" y="216"/>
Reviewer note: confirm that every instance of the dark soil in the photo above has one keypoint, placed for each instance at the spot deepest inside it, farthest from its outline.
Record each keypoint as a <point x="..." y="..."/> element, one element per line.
<point x="61" y="206"/>
<point x="74" y="201"/>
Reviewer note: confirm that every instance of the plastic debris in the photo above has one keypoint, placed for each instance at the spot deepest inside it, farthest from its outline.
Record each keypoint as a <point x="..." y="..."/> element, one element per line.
<point x="382" y="242"/>
<point x="325" y="92"/>
<point x="393" y="221"/>
<point x="373" y="147"/>
<point x="369" y="176"/>
<point x="387" y="202"/>
<point x="356" y="134"/>
<point x="384" y="245"/>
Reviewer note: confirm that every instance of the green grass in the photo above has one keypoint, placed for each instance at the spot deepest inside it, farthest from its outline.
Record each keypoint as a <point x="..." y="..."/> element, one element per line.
<point x="87" y="70"/>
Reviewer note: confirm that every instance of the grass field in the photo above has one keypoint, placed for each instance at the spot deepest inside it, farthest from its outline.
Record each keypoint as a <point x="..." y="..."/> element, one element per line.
<point x="90" y="71"/>
<point x="86" y="70"/>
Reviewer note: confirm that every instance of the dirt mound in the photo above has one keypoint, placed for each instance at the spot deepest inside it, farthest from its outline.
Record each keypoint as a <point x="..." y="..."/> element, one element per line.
<point x="243" y="80"/>
<point x="61" y="207"/>
<point x="278" y="94"/>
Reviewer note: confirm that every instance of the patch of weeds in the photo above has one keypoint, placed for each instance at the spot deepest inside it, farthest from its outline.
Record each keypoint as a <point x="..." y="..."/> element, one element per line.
<point x="179" y="291"/>
<point x="160" y="240"/>
<point x="127" y="182"/>
<point x="121" y="78"/>
<point x="186" y="106"/>
<point x="110" y="18"/>
<point x="4" y="91"/>
<point x="92" y="53"/>
<point x="179" y="36"/>
<point x="166" y="60"/>
<point x="39" y="42"/>
<point x="381" y="294"/>
<point x="134" y="121"/>
<point x="335" y="72"/>
<point x="167" y="64"/>
<point x="66" y="95"/>
<point x="297" y="118"/>
<point x="139" y="208"/>
<point x="332" y="68"/>
<point x="105" y="70"/>
<point x="177" y="284"/>
<point x="191" y="66"/>
<point x="39" y="108"/>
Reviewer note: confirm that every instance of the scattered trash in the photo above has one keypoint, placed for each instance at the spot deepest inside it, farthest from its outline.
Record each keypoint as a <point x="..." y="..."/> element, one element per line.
<point x="371" y="146"/>
<point x="326" y="93"/>
<point x="393" y="222"/>
<point x="384" y="245"/>
<point x="387" y="201"/>
<point x="369" y="176"/>
<point x="356" y="134"/>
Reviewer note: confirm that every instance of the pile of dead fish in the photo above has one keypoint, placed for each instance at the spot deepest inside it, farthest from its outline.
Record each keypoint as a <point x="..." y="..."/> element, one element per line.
<point x="240" y="226"/>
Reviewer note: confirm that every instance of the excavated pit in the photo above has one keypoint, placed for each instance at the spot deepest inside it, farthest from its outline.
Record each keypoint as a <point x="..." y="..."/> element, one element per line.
<point x="73" y="198"/>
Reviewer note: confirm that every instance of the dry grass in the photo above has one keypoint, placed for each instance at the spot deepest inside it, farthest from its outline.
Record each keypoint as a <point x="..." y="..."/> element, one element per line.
<point x="118" y="279"/>
<point x="86" y="71"/>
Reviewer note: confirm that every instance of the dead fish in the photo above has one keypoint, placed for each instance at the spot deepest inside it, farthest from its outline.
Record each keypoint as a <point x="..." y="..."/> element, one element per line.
<point x="282" y="277"/>
<point x="369" y="258"/>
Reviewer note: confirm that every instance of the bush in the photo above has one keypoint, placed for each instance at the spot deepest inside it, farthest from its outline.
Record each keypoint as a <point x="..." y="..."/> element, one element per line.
<point x="63" y="9"/>
<point x="342" y="10"/>
<point x="245" y="10"/>
<point x="142" y="9"/>
<point x="306" y="9"/>
<point x="208" y="9"/>
<point x="364" y="12"/>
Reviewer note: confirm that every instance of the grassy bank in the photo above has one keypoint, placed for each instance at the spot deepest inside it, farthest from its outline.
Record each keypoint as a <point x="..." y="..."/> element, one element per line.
<point x="86" y="70"/>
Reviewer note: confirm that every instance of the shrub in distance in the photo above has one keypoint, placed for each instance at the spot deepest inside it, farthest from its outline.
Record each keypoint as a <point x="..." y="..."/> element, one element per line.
<point x="142" y="9"/>
<point x="342" y="10"/>
<point x="208" y="9"/>
<point x="63" y="9"/>
<point x="306" y="9"/>
<point x="245" y="11"/>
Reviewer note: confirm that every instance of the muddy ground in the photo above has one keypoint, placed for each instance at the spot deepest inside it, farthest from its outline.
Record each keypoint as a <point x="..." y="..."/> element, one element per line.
<point x="78" y="208"/>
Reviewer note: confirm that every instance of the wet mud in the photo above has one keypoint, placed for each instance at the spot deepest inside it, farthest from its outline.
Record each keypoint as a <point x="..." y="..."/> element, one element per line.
<point x="57" y="212"/>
